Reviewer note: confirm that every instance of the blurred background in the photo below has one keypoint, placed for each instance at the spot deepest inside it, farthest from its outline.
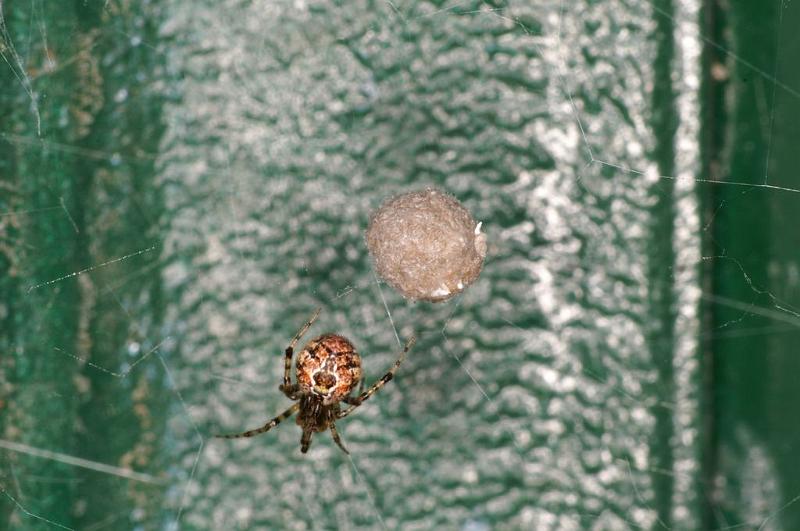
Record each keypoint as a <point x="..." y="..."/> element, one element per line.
<point x="182" y="184"/>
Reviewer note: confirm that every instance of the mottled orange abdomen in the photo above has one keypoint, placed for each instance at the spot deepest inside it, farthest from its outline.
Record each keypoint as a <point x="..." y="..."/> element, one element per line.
<point x="328" y="367"/>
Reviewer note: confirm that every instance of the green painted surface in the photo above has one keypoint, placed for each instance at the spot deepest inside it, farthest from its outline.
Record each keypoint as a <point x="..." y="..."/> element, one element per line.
<point x="193" y="181"/>
<point x="753" y="335"/>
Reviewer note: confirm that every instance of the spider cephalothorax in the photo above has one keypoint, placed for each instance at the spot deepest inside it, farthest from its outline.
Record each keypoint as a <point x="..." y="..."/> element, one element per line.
<point x="328" y="369"/>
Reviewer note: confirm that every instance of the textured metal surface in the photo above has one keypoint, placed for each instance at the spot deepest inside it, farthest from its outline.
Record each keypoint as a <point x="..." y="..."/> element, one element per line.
<point x="181" y="184"/>
<point x="536" y="399"/>
<point x="190" y="181"/>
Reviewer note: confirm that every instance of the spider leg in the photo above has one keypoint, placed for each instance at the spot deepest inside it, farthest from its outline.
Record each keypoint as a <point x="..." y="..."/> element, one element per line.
<point x="336" y="438"/>
<point x="305" y="440"/>
<point x="266" y="427"/>
<point x="290" y="391"/>
<point x="352" y="399"/>
<point x="287" y="364"/>
<point x="355" y="402"/>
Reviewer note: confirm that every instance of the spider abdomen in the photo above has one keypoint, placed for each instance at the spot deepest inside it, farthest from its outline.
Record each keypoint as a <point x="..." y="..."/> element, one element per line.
<point x="328" y="367"/>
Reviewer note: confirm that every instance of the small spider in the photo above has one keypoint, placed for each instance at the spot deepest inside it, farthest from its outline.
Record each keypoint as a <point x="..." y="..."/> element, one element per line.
<point x="328" y="369"/>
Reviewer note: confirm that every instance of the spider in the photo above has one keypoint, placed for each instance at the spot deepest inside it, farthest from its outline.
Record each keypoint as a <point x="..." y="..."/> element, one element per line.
<point x="328" y="369"/>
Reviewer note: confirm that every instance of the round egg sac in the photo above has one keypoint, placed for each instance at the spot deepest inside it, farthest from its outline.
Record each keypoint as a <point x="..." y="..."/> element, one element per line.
<point x="426" y="245"/>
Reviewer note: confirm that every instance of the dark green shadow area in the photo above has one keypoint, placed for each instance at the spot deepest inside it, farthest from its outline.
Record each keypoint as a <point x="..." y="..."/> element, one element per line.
<point x="80" y="193"/>
<point x="751" y="136"/>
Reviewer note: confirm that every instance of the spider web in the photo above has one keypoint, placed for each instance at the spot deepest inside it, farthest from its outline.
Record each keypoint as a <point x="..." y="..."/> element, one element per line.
<point x="156" y="272"/>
